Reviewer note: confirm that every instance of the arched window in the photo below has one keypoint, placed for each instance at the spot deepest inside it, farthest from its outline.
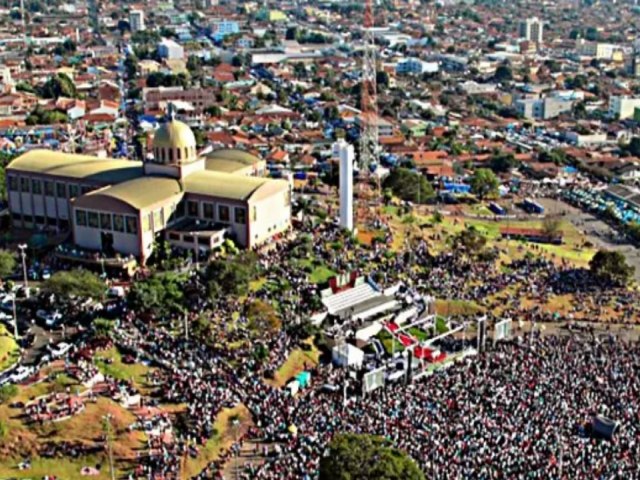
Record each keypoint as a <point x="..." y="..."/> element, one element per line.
<point x="178" y="153"/>
<point x="170" y="155"/>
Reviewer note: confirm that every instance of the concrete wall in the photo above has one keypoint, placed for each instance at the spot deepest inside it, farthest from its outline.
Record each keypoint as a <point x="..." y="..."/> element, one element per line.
<point x="273" y="215"/>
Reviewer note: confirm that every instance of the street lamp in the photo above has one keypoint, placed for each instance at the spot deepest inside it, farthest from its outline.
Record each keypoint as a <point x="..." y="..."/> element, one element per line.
<point x="15" y="318"/>
<point x="23" y="255"/>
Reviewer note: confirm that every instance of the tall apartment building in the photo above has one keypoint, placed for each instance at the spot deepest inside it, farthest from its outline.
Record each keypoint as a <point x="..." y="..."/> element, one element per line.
<point x="623" y="107"/>
<point x="531" y="29"/>
<point x="136" y="20"/>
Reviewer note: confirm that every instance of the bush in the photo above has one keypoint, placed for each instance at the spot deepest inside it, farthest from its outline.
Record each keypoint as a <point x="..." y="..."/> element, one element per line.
<point x="7" y="392"/>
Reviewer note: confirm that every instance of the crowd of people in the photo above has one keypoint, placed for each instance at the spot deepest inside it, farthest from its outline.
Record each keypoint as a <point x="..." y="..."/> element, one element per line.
<point x="522" y="410"/>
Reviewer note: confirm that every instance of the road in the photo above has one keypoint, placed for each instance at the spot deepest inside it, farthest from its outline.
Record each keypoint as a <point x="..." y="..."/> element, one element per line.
<point x="597" y="231"/>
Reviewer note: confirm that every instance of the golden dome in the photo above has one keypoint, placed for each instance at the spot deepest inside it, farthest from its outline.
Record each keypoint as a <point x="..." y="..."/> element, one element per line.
<point x="174" y="134"/>
<point x="174" y="143"/>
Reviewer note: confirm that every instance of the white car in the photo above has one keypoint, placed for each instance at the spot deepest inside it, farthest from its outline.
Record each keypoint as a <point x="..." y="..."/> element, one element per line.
<point x="60" y="350"/>
<point x="21" y="373"/>
<point x="5" y="317"/>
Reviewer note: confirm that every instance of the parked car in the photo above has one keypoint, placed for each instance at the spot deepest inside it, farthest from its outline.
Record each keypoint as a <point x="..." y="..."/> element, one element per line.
<point x="60" y="350"/>
<point x="51" y="319"/>
<point x="21" y="373"/>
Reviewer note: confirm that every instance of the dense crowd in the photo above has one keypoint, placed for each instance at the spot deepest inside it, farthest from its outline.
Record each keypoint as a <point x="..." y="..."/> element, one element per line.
<point x="521" y="411"/>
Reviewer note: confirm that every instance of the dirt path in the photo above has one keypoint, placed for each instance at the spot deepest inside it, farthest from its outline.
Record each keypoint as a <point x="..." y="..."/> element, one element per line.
<point x="251" y="454"/>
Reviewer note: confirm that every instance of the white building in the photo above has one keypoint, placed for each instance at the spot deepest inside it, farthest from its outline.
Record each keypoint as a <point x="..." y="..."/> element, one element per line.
<point x="170" y="50"/>
<point x="600" y="51"/>
<point x="136" y="20"/>
<point x="623" y="107"/>
<point x="531" y="29"/>
<point x="346" y="155"/>
<point x="415" y="65"/>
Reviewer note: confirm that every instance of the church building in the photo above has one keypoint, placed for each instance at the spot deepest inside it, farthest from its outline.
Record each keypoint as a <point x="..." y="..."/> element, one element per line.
<point x="121" y="206"/>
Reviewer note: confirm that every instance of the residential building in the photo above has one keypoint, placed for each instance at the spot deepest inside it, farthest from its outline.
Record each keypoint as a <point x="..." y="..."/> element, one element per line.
<point x="220" y="28"/>
<point x="136" y="20"/>
<point x="543" y="108"/>
<point x="599" y="51"/>
<point x="385" y="128"/>
<point x="623" y="107"/>
<point x="531" y="29"/>
<point x="170" y="50"/>
<point x="156" y="99"/>
<point x="414" y="65"/>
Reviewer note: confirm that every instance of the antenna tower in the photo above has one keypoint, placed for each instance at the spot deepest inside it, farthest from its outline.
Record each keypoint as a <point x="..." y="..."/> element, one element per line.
<point x="369" y="125"/>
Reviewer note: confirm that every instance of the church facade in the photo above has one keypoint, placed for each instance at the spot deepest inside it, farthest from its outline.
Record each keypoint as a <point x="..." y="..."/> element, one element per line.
<point x="122" y="206"/>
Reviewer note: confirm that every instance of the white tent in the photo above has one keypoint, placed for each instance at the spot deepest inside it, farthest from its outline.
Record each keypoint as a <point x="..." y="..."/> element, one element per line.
<point x="346" y="355"/>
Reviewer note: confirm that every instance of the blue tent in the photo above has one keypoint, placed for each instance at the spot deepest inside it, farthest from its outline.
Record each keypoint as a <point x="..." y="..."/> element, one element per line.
<point x="303" y="378"/>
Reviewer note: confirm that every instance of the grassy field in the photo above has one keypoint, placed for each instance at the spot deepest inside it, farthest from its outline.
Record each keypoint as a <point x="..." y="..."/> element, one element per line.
<point x="24" y="440"/>
<point x="222" y="440"/>
<point x="9" y="351"/>
<point x="438" y="235"/>
<point x="457" y="307"/>
<point x="136" y="372"/>
<point x="321" y="274"/>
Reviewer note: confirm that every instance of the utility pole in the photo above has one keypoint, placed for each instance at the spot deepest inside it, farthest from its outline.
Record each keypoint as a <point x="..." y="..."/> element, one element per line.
<point x="24" y="23"/>
<point x="109" y="437"/>
<point x="23" y="255"/>
<point x="15" y="318"/>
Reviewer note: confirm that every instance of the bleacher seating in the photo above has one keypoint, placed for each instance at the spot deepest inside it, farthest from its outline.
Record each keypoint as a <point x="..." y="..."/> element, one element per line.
<point x="348" y="298"/>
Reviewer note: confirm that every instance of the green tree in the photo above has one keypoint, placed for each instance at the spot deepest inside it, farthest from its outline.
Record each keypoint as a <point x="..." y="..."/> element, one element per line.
<point x="262" y="317"/>
<point x="503" y="74"/>
<point x="7" y="263"/>
<point x="162" y="294"/>
<point x="503" y="162"/>
<point x="382" y="78"/>
<point x="469" y="241"/>
<point x="39" y="116"/>
<point x="557" y="156"/>
<point x="551" y="226"/>
<point x="59" y="85"/>
<point x="364" y="457"/>
<point x="131" y="66"/>
<point x="75" y="283"/>
<point x="484" y="182"/>
<point x="231" y="275"/>
<point x="409" y="186"/>
<point x="194" y="65"/>
<point x="611" y="267"/>
<point x="103" y="327"/>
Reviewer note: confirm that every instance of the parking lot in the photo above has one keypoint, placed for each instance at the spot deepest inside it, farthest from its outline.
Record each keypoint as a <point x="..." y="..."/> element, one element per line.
<point x="598" y="232"/>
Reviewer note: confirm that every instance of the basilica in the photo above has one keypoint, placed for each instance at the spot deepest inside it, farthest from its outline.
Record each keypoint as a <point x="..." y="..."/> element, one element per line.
<point x="122" y="206"/>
